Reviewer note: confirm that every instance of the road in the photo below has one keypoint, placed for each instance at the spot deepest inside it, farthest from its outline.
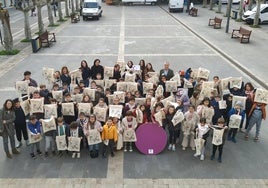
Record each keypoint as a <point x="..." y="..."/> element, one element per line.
<point x="134" y="33"/>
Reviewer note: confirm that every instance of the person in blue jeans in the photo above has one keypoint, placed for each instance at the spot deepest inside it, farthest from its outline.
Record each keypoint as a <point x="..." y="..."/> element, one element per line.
<point x="256" y="114"/>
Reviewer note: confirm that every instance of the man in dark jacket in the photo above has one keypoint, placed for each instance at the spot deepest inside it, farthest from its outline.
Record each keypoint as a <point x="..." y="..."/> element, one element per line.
<point x="20" y="123"/>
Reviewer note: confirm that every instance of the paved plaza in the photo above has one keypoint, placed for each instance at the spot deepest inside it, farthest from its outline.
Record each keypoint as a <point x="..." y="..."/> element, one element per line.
<point x="133" y="33"/>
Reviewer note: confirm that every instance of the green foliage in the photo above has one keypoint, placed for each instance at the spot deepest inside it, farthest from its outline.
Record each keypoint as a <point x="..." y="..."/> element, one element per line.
<point x="25" y="40"/>
<point x="54" y="25"/>
<point x="12" y="52"/>
<point x="62" y="20"/>
<point x="255" y="26"/>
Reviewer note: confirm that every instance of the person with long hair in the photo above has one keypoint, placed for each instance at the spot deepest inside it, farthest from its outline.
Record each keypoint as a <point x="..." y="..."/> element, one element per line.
<point x="7" y="118"/>
<point x="85" y="72"/>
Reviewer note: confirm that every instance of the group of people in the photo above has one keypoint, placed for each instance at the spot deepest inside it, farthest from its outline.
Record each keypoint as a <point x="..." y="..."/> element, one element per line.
<point x="201" y="115"/>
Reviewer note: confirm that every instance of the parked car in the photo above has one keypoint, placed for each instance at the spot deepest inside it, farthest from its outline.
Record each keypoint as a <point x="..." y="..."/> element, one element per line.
<point x="250" y="14"/>
<point x="175" y="5"/>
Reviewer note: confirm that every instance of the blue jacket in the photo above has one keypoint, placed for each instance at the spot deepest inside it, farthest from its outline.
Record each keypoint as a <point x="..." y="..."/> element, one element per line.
<point x="234" y="111"/>
<point x="35" y="128"/>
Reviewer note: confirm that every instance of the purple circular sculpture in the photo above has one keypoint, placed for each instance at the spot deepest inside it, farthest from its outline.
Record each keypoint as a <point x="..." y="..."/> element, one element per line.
<point x="151" y="139"/>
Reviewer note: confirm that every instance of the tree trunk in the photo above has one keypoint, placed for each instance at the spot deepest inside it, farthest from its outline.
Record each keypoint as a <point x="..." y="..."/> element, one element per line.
<point x="27" y="28"/>
<point x="257" y="15"/>
<point x="49" y="11"/>
<point x="250" y="4"/>
<point x="67" y="8"/>
<point x="40" y="20"/>
<point x="8" y="39"/>
<point x="72" y="6"/>
<point x="77" y="8"/>
<point x="227" y="8"/>
<point x="60" y="11"/>
<point x="211" y="4"/>
<point x="205" y="2"/>
<point x="240" y="12"/>
<point x="219" y="6"/>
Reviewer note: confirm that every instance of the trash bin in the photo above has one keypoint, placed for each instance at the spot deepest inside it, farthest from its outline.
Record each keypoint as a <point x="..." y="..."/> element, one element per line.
<point x="234" y="14"/>
<point x="35" y="44"/>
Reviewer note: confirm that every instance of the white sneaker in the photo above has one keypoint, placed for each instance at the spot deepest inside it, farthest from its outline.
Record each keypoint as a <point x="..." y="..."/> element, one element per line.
<point x="173" y="148"/>
<point x="130" y="149"/>
<point x="73" y="156"/>
<point x="196" y="155"/>
<point x="170" y="147"/>
<point x="125" y="150"/>
<point x="183" y="148"/>
<point x="78" y="155"/>
<point x="202" y="157"/>
<point x="193" y="148"/>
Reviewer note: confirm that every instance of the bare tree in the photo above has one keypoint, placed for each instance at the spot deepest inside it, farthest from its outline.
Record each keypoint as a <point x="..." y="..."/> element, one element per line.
<point x="60" y="11"/>
<point x="8" y="39"/>
<point x="49" y="11"/>
<point x="240" y="12"/>
<point x="219" y="6"/>
<point x="39" y="5"/>
<point x="25" y="7"/>
<point x="66" y="8"/>
<point x="205" y="3"/>
<point x="257" y="15"/>
<point x="77" y="7"/>
<point x="211" y="4"/>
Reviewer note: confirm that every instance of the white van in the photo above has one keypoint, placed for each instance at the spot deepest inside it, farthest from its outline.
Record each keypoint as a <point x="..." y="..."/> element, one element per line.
<point x="175" y="5"/>
<point x="250" y="14"/>
<point x="131" y="2"/>
<point x="91" y="9"/>
<point x="226" y="1"/>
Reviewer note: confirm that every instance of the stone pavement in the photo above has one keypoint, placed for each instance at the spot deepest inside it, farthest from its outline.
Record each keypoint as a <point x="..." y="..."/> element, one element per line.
<point x="242" y="167"/>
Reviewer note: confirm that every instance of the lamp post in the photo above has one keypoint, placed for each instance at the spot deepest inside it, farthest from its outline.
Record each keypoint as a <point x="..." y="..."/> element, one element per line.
<point x="54" y="8"/>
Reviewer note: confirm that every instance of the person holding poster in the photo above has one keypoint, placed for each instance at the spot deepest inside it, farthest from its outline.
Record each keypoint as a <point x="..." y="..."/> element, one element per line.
<point x="173" y="129"/>
<point x="236" y="110"/>
<point x="62" y="129"/>
<point x="20" y="123"/>
<point x="202" y="132"/>
<point x="109" y="137"/>
<point x="129" y="124"/>
<point x="34" y="127"/>
<point x="256" y="114"/>
<point x="219" y="135"/>
<point x="119" y="128"/>
<point x="188" y="127"/>
<point x="27" y="77"/>
<point x="75" y="131"/>
<point x="205" y="110"/>
<point x="93" y="127"/>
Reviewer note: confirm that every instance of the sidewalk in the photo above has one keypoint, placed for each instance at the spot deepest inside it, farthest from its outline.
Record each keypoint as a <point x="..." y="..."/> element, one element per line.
<point x="251" y="56"/>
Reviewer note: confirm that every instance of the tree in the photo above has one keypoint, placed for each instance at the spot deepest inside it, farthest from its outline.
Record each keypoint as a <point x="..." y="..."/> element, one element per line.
<point x="257" y="15"/>
<point x="240" y="12"/>
<point x="66" y="8"/>
<point x="49" y="12"/>
<point x="219" y="6"/>
<point x="8" y="39"/>
<point x="39" y="5"/>
<point x="211" y="4"/>
<point x="60" y="11"/>
<point x="205" y="2"/>
<point x="25" y="7"/>
<point x="77" y="7"/>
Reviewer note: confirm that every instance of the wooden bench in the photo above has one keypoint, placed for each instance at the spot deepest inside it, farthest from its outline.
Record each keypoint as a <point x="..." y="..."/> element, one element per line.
<point x="47" y="38"/>
<point x="193" y="12"/>
<point x="215" y="22"/>
<point x="75" y="18"/>
<point x="242" y="33"/>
